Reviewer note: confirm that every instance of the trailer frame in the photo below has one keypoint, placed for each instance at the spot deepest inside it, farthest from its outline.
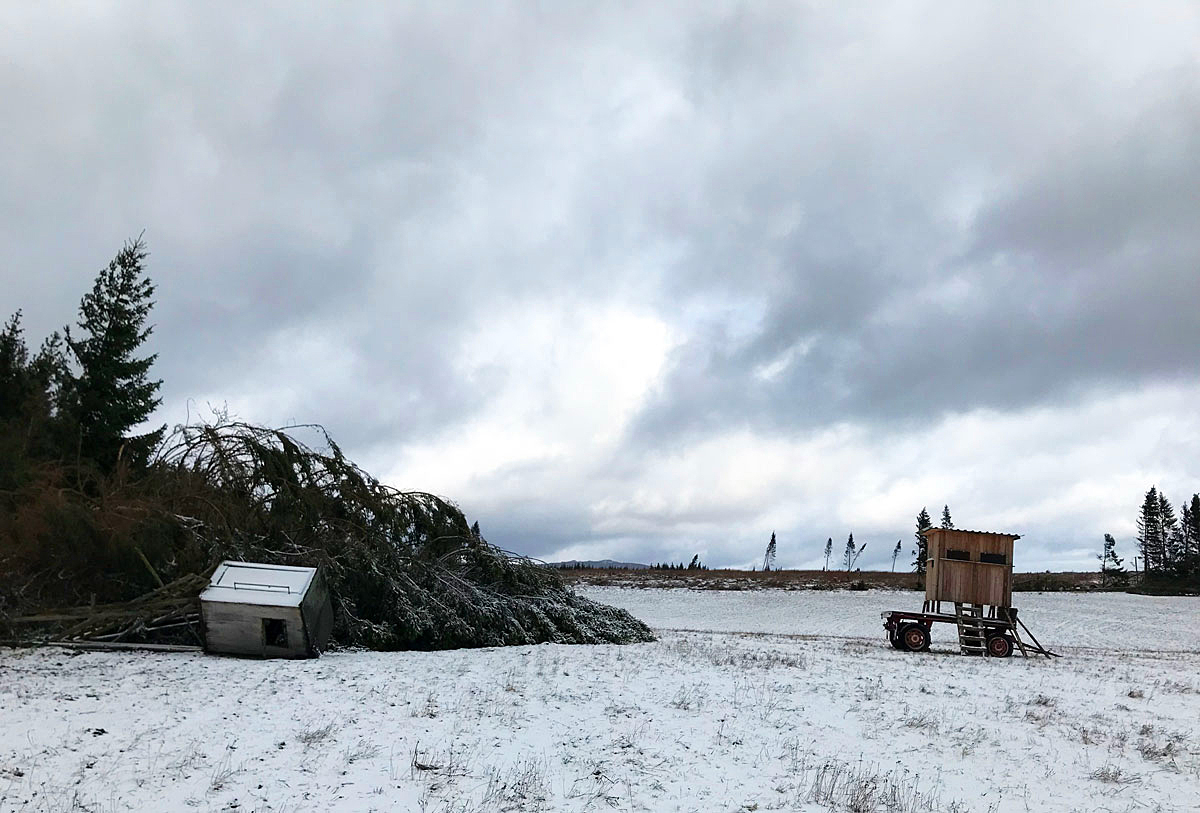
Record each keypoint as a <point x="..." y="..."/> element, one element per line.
<point x="910" y="631"/>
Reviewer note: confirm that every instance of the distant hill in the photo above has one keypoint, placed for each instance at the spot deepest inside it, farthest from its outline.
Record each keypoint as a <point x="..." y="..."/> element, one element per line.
<point x="599" y="564"/>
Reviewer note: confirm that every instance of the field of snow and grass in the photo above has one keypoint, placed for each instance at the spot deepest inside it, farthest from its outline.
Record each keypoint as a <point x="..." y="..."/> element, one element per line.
<point x="1061" y="621"/>
<point x="768" y="700"/>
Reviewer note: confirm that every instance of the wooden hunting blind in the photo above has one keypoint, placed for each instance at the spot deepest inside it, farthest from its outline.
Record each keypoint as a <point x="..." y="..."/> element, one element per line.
<point x="266" y="611"/>
<point x="973" y="570"/>
<point x="971" y="567"/>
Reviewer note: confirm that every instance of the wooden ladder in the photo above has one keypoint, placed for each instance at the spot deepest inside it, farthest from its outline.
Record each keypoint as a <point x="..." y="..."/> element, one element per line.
<point x="972" y="635"/>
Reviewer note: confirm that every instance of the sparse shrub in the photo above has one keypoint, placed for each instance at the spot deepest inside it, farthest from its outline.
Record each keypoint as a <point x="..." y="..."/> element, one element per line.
<point x="360" y="750"/>
<point x="1114" y="775"/>
<point x="523" y="787"/>
<point x="1154" y="751"/>
<point x="689" y="697"/>
<point x="429" y="708"/>
<point x="926" y="720"/>
<point x="222" y="773"/>
<point x="862" y="788"/>
<point x="314" y="734"/>
<point x="739" y="659"/>
<point x="447" y="764"/>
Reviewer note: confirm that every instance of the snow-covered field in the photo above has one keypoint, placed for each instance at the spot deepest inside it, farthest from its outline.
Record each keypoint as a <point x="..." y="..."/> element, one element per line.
<point x="1061" y="621"/>
<point x="780" y="700"/>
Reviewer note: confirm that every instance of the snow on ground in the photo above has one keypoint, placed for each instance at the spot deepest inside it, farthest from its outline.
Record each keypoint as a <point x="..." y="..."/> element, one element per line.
<point x="738" y="717"/>
<point x="1061" y="621"/>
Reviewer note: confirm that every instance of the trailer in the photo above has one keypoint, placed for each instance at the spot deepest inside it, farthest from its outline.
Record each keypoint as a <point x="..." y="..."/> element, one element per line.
<point x="972" y="570"/>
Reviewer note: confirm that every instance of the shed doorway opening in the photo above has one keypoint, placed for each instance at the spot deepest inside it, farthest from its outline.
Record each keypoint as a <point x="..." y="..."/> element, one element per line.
<point x="275" y="632"/>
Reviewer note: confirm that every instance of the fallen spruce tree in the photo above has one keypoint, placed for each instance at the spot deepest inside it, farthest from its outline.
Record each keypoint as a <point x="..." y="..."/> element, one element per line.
<point x="405" y="570"/>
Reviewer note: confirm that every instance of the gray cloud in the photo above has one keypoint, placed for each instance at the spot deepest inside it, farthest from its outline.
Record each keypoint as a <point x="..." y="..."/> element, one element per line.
<point x="881" y="218"/>
<point x="1074" y="266"/>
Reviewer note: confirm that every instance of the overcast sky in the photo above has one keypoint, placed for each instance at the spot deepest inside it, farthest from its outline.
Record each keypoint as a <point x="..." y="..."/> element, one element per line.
<point x="657" y="279"/>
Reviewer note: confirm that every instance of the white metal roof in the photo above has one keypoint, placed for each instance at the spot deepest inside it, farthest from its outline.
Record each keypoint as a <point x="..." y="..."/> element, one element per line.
<point x="977" y="533"/>
<point x="247" y="583"/>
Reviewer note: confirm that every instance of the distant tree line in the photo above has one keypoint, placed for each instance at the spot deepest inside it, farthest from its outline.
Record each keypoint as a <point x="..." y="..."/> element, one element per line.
<point x="695" y="564"/>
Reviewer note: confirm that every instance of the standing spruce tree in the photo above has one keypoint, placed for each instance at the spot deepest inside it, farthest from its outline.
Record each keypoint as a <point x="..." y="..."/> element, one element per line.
<point x="1190" y="558"/>
<point x="29" y="383"/>
<point x="16" y="384"/>
<point x="769" y="556"/>
<point x="923" y="525"/>
<point x="17" y="392"/>
<point x="1172" y="535"/>
<point x="1151" y="541"/>
<point x="946" y="521"/>
<point x="1110" y="564"/>
<point x="828" y="551"/>
<point x="848" y="556"/>
<point x="1186" y="523"/>
<point x="113" y="392"/>
<point x="896" y="553"/>
<point x="31" y="425"/>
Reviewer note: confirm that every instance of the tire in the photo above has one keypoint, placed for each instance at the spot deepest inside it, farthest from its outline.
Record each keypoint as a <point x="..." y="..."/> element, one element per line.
<point x="914" y="637"/>
<point x="1000" y="646"/>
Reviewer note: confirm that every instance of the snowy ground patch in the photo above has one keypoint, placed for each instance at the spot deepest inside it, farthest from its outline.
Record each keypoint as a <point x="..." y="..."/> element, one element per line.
<point x="739" y="716"/>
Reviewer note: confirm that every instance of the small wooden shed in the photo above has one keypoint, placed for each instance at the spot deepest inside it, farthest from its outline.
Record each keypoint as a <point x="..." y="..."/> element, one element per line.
<point x="971" y="567"/>
<point x="266" y="611"/>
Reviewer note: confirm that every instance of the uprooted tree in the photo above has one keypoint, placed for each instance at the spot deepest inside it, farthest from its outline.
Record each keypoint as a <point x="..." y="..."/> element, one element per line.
<point x="405" y="569"/>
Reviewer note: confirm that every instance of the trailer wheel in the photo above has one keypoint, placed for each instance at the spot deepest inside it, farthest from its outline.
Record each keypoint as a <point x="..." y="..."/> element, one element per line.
<point x="914" y="637"/>
<point x="1000" y="646"/>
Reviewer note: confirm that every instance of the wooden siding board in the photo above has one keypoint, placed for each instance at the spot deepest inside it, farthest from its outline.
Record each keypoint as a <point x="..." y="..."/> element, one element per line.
<point x="236" y="629"/>
<point x="972" y="582"/>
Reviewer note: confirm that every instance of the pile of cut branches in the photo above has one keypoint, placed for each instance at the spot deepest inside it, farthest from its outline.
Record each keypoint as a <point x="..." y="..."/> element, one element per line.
<point x="170" y="613"/>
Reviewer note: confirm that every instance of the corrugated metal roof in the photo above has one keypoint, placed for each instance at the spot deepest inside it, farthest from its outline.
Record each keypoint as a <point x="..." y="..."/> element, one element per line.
<point x="983" y="533"/>
<point x="248" y="583"/>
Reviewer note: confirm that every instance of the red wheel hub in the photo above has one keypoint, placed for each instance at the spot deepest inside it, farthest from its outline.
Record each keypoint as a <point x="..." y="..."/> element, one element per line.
<point x="999" y="646"/>
<point x="914" y="637"/>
